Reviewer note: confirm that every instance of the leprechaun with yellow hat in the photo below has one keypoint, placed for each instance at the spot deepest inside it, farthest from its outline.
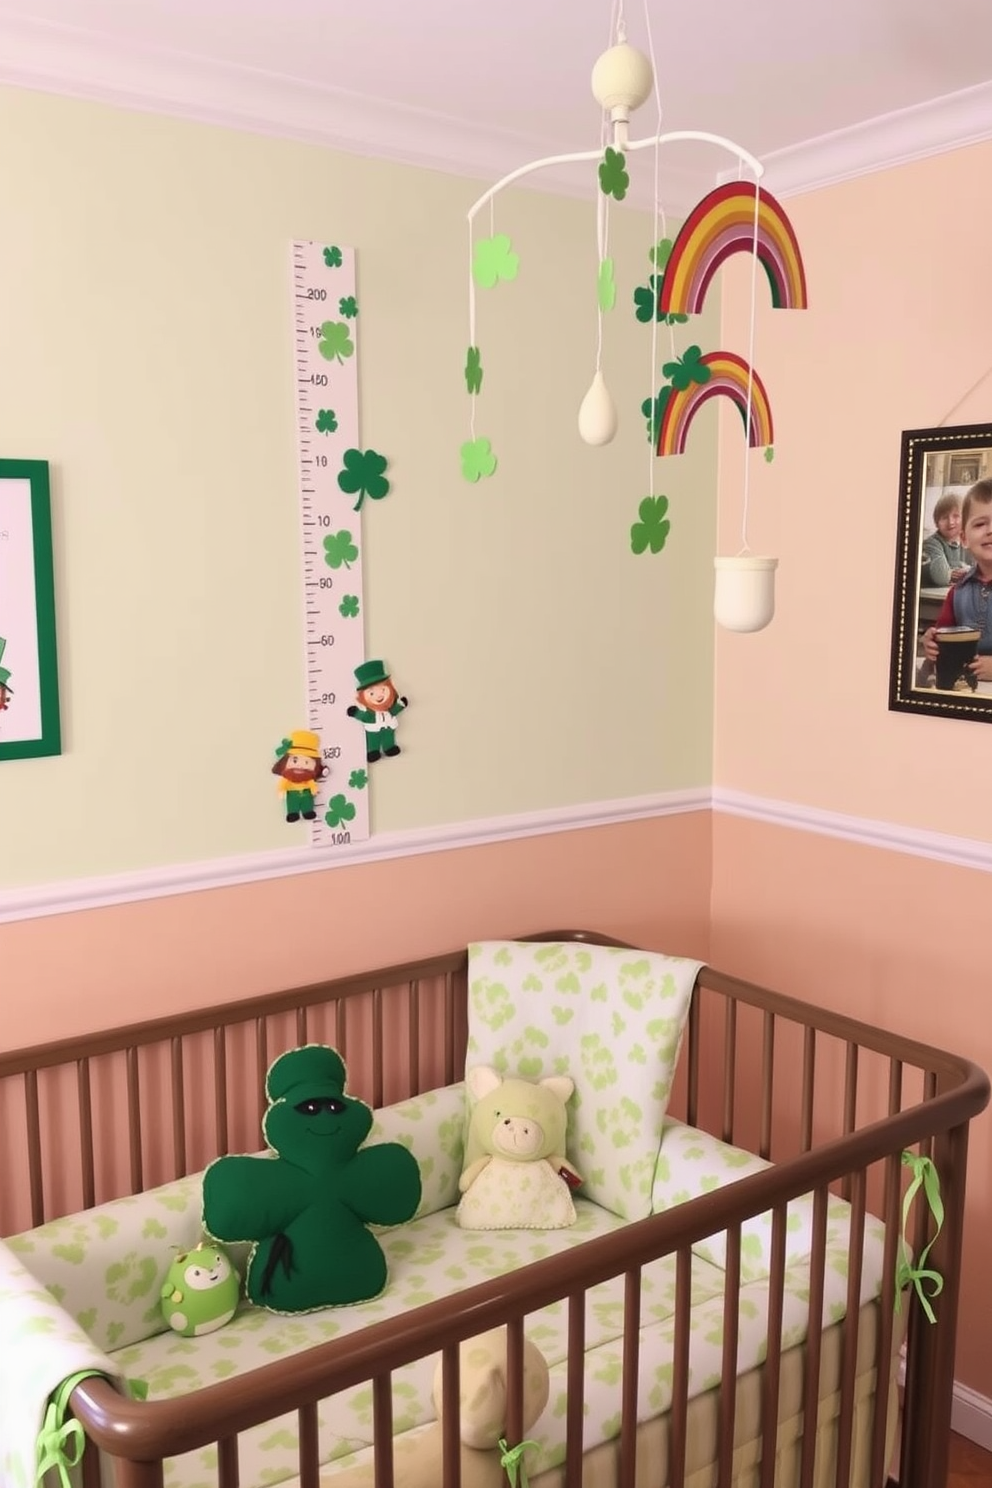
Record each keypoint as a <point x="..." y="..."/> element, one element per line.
<point x="5" y="689"/>
<point x="300" y="769"/>
<point x="379" y="705"/>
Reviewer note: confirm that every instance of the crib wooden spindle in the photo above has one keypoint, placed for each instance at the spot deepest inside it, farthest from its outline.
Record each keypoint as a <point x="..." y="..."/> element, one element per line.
<point x="773" y="1355"/>
<point x="261" y="1063"/>
<point x="451" y="1455"/>
<point x="413" y="1036"/>
<point x="767" y="1084"/>
<point x="628" y="1392"/>
<point x="728" y="1370"/>
<point x="575" y="1387"/>
<point x="308" y="1427"/>
<point x="814" y="1335"/>
<point x="886" y="1328"/>
<point x="514" y="1381"/>
<point x="850" y="1106"/>
<point x="341" y="1027"/>
<point x="809" y="1089"/>
<point x="303" y="1025"/>
<point x="680" y="1368"/>
<point x="134" y="1119"/>
<point x="852" y="1318"/>
<point x="376" y="1048"/>
<point x="220" y="1091"/>
<point x="382" y="1427"/>
<point x="692" y="1084"/>
<point x="729" y="1067"/>
<point x="449" y="1028"/>
<point x="228" y="1467"/>
<point x="86" y="1161"/>
<point x="91" y="1474"/>
<point x="178" y="1109"/>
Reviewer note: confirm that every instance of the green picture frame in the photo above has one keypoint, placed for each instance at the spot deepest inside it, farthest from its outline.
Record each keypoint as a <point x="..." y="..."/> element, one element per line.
<point x="30" y="721"/>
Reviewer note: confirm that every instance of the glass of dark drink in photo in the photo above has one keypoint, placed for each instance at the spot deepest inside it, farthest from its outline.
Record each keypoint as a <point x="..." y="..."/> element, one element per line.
<point x="956" y="646"/>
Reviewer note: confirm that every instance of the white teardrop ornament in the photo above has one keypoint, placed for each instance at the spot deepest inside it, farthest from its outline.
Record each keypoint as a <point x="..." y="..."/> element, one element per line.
<point x="598" y="413"/>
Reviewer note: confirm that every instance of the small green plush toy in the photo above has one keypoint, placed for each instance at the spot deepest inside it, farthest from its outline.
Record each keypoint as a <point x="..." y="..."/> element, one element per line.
<point x="306" y="1204"/>
<point x="200" y="1291"/>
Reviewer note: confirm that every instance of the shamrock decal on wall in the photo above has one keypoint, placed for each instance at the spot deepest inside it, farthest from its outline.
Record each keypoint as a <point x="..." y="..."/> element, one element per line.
<point x="326" y="421"/>
<point x="613" y="177"/>
<point x="348" y="606"/>
<point x="339" y="810"/>
<point x="606" y="290"/>
<point x="363" y="476"/>
<point x="339" y="549"/>
<point x="348" y="307"/>
<point x="335" y="341"/>
<point x="653" y="528"/>
<point x="332" y="258"/>
<point x="687" y="369"/>
<point x="493" y="260"/>
<point x="473" y="370"/>
<point x="478" y="459"/>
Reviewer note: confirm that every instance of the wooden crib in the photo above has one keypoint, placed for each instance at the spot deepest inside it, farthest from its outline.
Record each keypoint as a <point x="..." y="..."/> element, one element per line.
<point x="831" y="1102"/>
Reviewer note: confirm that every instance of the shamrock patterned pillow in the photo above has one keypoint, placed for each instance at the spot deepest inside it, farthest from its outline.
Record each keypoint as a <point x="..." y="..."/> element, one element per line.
<point x="610" y="1018"/>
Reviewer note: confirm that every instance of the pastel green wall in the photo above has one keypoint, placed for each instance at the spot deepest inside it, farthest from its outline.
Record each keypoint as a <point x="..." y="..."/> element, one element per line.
<point x="146" y="353"/>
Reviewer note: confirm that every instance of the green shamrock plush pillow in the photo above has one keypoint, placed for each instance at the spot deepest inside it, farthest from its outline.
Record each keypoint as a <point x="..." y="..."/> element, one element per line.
<point x="306" y="1204"/>
<point x="610" y="1019"/>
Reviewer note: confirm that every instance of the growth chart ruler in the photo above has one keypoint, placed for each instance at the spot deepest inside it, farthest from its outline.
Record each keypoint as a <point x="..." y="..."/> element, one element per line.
<point x="325" y="330"/>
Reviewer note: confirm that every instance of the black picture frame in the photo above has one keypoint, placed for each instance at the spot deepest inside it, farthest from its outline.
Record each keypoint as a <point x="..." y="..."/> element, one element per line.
<point x="932" y="463"/>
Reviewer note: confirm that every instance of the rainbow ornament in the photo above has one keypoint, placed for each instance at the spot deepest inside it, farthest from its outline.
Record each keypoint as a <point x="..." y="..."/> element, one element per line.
<point x="723" y="224"/>
<point x="729" y="378"/>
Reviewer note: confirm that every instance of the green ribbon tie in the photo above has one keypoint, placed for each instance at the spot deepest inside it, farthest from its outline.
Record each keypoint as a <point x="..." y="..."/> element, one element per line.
<point x="512" y="1462"/>
<point x="925" y="1176"/>
<point x="61" y="1443"/>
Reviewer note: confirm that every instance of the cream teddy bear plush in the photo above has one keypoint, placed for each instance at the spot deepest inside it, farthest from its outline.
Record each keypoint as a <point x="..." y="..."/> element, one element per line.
<point x="516" y="1174"/>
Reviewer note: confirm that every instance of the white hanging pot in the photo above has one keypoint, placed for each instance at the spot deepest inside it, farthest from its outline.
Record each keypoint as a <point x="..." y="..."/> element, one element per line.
<point x="744" y="598"/>
<point x="597" y="413"/>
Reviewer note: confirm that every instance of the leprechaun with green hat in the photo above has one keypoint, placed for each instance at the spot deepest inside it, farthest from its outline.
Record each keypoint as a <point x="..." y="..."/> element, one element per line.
<point x="379" y="705"/>
<point x="5" y="690"/>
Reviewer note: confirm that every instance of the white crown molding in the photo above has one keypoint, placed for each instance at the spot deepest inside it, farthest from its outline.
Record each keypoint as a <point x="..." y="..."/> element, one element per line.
<point x="190" y="878"/>
<point x="941" y="124"/>
<point x="963" y="852"/>
<point x="80" y="64"/>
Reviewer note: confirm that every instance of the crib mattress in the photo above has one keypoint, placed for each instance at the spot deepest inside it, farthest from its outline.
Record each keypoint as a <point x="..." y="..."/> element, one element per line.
<point x="432" y="1258"/>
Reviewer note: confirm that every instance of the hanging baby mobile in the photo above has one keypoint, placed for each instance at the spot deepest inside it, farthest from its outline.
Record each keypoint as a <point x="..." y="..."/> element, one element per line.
<point x="738" y="217"/>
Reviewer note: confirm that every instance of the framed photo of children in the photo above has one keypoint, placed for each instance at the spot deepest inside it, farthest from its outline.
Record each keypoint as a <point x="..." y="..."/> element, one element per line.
<point x="942" y="617"/>
<point x="29" y="683"/>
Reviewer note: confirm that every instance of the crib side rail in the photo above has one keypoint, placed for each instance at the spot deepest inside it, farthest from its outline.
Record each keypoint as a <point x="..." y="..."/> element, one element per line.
<point x="143" y="1433"/>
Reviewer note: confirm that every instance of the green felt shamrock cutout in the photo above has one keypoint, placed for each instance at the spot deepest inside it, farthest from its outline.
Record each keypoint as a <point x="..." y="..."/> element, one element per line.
<point x="687" y="369"/>
<point x="283" y="748"/>
<point x="613" y="178"/>
<point x="339" y="810"/>
<point x="332" y="258"/>
<point x="363" y="476"/>
<point x="358" y="779"/>
<point x="494" y="260"/>
<point x="326" y="421"/>
<point x="478" y="459"/>
<point x="349" y="606"/>
<point x="335" y="340"/>
<point x="339" y="549"/>
<point x="661" y="252"/>
<point x="606" y="290"/>
<point x="769" y="453"/>
<point x="654" y="420"/>
<point x="653" y="528"/>
<point x="646" y="298"/>
<point x="473" y="370"/>
<point x="348" y="307"/>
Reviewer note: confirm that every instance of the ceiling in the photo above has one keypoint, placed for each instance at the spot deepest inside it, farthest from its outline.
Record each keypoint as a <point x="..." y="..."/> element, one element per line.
<point x="818" y="90"/>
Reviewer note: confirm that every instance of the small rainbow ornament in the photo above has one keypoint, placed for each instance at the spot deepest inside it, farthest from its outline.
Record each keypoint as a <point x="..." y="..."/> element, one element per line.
<point x="722" y="224"/>
<point x="729" y="378"/>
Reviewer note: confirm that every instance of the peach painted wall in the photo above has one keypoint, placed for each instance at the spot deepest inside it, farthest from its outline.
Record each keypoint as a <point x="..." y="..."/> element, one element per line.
<point x="897" y="332"/>
<point x="646" y="881"/>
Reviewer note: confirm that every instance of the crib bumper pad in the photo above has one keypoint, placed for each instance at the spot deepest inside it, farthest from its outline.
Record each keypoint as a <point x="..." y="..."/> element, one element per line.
<point x="103" y="1271"/>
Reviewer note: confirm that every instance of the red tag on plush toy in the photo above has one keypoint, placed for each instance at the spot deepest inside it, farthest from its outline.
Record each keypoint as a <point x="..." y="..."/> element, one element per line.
<point x="571" y="1178"/>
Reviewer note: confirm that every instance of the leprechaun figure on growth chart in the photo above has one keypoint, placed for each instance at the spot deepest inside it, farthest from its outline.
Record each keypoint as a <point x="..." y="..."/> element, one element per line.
<point x="379" y="705"/>
<point x="300" y="769"/>
<point x="5" y="692"/>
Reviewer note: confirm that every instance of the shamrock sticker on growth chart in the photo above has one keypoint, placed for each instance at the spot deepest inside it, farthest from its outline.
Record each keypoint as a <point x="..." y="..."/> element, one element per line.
<point x="348" y="307"/>
<point x="653" y="528"/>
<point x="333" y="258"/>
<point x="339" y="811"/>
<point x="339" y="549"/>
<point x="364" y="475"/>
<point x="349" y="606"/>
<point x="493" y="260"/>
<point x="613" y="177"/>
<point x="478" y="460"/>
<point x="326" y="421"/>
<point x="335" y="341"/>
